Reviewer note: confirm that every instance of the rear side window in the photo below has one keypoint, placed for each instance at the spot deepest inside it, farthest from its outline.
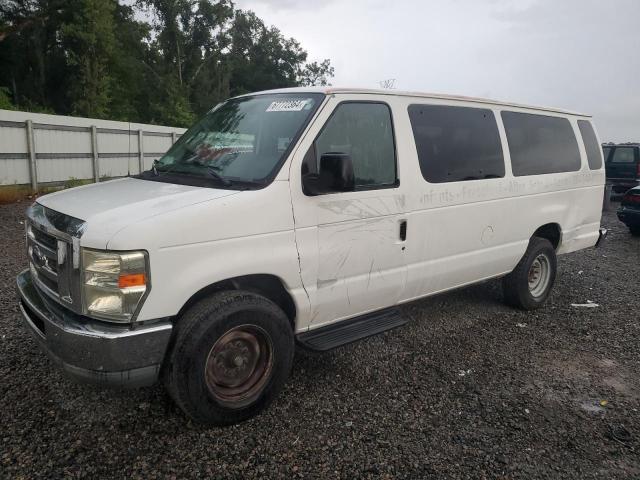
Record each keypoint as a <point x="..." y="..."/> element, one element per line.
<point x="456" y="143"/>
<point x="365" y="132"/>
<point x="594" y="153"/>
<point x="540" y="144"/>
<point x="623" y="155"/>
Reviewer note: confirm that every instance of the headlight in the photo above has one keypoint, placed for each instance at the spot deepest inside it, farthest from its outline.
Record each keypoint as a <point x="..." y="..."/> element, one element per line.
<point x="114" y="283"/>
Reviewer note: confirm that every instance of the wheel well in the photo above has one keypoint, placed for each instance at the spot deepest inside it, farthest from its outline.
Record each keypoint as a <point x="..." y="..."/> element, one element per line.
<point x="550" y="231"/>
<point x="268" y="286"/>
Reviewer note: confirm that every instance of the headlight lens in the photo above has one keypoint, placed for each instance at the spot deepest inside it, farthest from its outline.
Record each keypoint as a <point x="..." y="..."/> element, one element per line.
<point x="114" y="283"/>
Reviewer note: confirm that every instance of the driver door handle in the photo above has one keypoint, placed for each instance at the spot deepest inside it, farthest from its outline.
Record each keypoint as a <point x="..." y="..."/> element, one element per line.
<point x="403" y="230"/>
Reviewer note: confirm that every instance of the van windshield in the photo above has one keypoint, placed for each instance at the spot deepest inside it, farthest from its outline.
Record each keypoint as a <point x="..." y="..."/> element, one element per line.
<point x="239" y="143"/>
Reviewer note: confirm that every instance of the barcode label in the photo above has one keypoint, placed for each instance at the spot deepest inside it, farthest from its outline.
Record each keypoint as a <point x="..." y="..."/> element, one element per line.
<point x="287" y="106"/>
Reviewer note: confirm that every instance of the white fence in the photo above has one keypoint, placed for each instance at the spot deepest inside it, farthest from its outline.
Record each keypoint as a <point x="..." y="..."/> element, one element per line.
<point x="38" y="149"/>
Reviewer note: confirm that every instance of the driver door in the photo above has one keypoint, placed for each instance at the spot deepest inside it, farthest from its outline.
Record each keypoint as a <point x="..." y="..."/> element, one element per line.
<point x="351" y="244"/>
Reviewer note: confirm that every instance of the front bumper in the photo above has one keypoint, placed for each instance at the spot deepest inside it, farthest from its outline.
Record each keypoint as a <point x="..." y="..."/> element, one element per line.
<point x="92" y="351"/>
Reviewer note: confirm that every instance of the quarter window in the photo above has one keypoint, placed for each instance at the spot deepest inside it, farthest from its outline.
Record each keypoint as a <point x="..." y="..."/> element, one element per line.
<point x="540" y="144"/>
<point x="456" y="143"/>
<point x="365" y="132"/>
<point x="594" y="152"/>
<point x="605" y="153"/>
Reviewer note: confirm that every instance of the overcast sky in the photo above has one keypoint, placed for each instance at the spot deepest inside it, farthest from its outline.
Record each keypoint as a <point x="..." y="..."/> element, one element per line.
<point x="582" y="55"/>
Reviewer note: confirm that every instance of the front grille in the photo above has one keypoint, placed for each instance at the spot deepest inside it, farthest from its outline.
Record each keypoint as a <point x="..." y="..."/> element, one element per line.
<point x="45" y="239"/>
<point x="42" y="249"/>
<point x="53" y="251"/>
<point x="49" y="266"/>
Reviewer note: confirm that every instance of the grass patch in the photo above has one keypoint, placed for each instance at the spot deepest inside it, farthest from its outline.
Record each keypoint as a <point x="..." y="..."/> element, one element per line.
<point x="17" y="193"/>
<point x="76" y="182"/>
<point x="14" y="193"/>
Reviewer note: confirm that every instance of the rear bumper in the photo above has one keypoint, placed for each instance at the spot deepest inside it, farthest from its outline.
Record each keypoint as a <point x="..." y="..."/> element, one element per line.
<point x="92" y="351"/>
<point x="602" y="234"/>
<point x="621" y="185"/>
<point x="628" y="216"/>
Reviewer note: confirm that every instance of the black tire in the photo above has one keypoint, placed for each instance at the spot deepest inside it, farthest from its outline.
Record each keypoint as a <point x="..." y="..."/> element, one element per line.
<point x="635" y="231"/>
<point x="188" y="373"/>
<point x="516" y="286"/>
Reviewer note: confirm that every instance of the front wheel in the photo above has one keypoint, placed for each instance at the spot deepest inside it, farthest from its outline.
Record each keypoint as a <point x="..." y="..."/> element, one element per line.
<point x="528" y="286"/>
<point x="635" y="231"/>
<point x="232" y="355"/>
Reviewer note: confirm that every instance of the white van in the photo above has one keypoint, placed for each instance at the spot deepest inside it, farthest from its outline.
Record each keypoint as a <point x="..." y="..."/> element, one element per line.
<point x="302" y="217"/>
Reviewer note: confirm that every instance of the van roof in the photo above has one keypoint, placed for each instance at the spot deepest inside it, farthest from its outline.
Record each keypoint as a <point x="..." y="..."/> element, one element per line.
<point x="330" y="90"/>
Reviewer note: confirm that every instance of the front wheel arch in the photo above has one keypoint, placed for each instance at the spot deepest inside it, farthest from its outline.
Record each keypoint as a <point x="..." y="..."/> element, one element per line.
<point x="269" y="286"/>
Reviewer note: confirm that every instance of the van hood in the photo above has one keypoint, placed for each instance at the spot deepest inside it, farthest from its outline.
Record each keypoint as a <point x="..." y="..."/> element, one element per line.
<point x="108" y="207"/>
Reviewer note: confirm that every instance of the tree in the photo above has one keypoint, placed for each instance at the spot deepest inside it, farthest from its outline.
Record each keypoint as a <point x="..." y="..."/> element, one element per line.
<point x="157" y="61"/>
<point x="316" y="74"/>
<point x="33" y="64"/>
<point x="260" y="57"/>
<point x="185" y="56"/>
<point x="5" y="100"/>
<point x="130" y="79"/>
<point x="89" y="38"/>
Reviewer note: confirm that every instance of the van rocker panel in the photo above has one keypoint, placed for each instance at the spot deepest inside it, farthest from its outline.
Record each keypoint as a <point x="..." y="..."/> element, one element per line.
<point x="348" y="331"/>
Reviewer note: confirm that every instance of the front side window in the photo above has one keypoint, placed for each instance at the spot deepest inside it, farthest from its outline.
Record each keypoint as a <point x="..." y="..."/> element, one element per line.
<point x="594" y="153"/>
<point x="540" y="144"/>
<point x="456" y="143"/>
<point x="242" y="141"/>
<point x="364" y="131"/>
<point x="623" y="155"/>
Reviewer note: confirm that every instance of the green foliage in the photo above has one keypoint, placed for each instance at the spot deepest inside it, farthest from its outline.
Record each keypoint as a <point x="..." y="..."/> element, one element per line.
<point x="5" y="99"/>
<point x="76" y="182"/>
<point x="90" y="39"/>
<point x="316" y="74"/>
<point x="103" y="58"/>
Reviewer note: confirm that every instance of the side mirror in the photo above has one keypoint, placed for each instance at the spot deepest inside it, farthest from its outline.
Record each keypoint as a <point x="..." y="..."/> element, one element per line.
<point x="335" y="175"/>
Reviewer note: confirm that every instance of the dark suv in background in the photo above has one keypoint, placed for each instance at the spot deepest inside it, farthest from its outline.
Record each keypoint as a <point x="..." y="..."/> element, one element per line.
<point x="622" y="164"/>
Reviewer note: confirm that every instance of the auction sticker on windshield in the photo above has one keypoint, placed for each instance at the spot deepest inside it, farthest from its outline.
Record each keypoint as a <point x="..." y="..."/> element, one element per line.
<point x="287" y="106"/>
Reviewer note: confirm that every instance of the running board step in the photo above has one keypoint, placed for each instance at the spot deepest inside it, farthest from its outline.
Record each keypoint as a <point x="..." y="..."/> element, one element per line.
<point x="348" y="331"/>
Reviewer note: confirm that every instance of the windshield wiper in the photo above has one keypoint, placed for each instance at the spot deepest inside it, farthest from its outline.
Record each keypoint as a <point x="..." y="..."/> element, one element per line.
<point x="212" y="173"/>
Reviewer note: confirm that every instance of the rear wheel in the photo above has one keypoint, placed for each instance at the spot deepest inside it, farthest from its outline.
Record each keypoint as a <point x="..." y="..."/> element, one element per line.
<point x="232" y="356"/>
<point x="635" y="231"/>
<point x="528" y="286"/>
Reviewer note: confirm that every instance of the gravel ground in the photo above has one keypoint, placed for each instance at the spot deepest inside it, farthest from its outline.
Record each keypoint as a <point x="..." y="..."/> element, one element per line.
<point x="468" y="389"/>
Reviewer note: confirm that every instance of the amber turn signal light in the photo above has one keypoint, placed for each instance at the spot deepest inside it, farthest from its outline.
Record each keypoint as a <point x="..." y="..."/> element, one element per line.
<point x="132" y="280"/>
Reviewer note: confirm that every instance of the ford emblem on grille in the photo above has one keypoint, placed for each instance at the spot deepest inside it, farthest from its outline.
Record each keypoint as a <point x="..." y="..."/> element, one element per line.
<point x="40" y="259"/>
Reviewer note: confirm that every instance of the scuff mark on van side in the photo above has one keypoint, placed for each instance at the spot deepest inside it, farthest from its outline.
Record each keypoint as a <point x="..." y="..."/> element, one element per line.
<point x="373" y="260"/>
<point x="326" y="283"/>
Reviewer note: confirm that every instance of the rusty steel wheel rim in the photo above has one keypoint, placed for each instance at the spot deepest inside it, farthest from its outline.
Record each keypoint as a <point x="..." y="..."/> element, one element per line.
<point x="239" y="365"/>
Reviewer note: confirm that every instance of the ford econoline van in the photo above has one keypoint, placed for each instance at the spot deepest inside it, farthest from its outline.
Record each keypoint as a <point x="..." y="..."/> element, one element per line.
<point x="302" y="217"/>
